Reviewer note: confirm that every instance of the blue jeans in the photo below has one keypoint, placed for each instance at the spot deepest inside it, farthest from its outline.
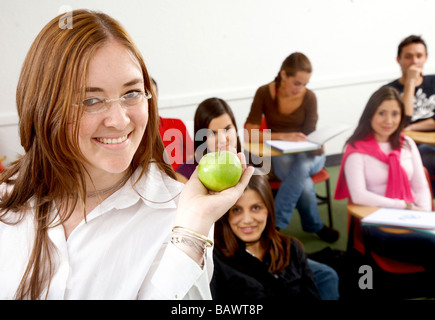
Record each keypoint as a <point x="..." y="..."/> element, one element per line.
<point x="326" y="279"/>
<point x="297" y="189"/>
<point x="427" y="153"/>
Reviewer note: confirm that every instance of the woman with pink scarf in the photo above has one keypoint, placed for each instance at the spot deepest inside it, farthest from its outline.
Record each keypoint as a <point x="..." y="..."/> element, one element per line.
<point x="382" y="167"/>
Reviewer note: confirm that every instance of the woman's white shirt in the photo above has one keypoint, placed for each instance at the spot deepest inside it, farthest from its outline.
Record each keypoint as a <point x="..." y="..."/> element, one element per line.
<point x="122" y="251"/>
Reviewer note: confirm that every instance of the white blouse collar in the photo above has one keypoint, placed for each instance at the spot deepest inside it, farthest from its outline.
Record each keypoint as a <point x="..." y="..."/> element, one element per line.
<point x="155" y="189"/>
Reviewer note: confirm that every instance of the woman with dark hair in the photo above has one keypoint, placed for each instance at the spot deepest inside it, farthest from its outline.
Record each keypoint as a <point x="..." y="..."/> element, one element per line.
<point x="215" y="129"/>
<point x="375" y="149"/>
<point x="290" y="111"/>
<point x="87" y="211"/>
<point x="382" y="168"/>
<point x="254" y="261"/>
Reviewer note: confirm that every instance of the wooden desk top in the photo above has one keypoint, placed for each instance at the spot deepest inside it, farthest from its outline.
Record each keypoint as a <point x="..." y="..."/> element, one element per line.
<point x="360" y="211"/>
<point x="421" y="136"/>
<point x="363" y="211"/>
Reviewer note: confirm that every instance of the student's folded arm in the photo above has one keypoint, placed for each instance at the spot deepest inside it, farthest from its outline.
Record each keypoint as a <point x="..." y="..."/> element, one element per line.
<point x="253" y="132"/>
<point x="356" y="181"/>
<point x="424" y="125"/>
<point x="257" y="136"/>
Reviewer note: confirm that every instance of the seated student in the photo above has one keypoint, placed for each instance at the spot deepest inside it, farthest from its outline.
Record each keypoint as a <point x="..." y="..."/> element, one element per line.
<point x="418" y="92"/>
<point x="176" y="138"/>
<point x="253" y="260"/>
<point x="216" y="129"/>
<point x="381" y="167"/>
<point x="290" y="110"/>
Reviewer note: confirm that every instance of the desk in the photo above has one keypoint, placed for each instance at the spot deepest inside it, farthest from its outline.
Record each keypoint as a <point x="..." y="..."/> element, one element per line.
<point x="360" y="211"/>
<point x="363" y="211"/>
<point x="426" y="137"/>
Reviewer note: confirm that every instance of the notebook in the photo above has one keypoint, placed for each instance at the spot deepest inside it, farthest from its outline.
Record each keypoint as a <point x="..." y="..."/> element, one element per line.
<point x="314" y="141"/>
<point x="411" y="219"/>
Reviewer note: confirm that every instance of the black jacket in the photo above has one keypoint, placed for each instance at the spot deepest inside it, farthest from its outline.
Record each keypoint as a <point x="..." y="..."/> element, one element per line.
<point x="246" y="277"/>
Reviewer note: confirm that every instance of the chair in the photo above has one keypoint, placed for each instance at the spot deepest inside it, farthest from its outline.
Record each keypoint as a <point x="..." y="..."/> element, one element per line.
<point x="321" y="176"/>
<point x="176" y="140"/>
<point x="2" y="158"/>
<point x="356" y="241"/>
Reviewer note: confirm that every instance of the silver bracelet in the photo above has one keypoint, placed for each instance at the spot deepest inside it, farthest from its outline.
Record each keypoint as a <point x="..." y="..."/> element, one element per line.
<point x="183" y="239"/>
<point x="191" y="235"/>
<point x="208" y="243"/>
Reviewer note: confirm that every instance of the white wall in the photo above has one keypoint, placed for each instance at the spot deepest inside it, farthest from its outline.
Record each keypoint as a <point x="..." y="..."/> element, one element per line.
<point x="227" y="48"/>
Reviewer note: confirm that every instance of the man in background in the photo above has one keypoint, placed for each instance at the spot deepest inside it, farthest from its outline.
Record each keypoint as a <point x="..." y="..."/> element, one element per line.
<point x="418" y="94"/>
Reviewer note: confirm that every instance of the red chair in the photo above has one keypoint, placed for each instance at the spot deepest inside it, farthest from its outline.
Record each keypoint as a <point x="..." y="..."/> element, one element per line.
<point x="321" y="176"/>
<point x="177" y="141"/>
<point x="1" y="165"/>
<point x="356" y="240"/>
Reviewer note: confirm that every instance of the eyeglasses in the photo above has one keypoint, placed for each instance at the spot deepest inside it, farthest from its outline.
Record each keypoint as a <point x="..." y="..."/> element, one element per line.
<point x="100" y="104"/>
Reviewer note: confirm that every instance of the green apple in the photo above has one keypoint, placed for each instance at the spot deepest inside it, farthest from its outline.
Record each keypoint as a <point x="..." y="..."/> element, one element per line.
<point x="219" y="170"/>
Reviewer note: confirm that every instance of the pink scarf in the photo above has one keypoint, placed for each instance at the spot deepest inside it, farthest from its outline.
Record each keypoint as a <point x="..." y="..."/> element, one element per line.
<point x="398" y="186"/>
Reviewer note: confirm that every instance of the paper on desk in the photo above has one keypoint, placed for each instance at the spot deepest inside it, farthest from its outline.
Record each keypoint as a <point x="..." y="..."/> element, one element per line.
<point x="315" y="140"/>
<point x="293" y="146"/>
<point x="322" y="135"/>
<point x="402" y="218"/>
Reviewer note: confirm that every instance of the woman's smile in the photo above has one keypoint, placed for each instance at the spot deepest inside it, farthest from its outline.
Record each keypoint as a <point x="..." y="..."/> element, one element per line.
<point x="114" y="140"/>
<point x="248" y="230"/>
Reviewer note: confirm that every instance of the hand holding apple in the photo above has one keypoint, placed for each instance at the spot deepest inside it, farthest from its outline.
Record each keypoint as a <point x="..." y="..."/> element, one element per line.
<point x="198" y="208"/>
<point x="219" y="170"/>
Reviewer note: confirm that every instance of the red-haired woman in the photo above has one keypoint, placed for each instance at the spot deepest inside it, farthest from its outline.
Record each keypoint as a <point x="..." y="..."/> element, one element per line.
<point x="87" y="211"/>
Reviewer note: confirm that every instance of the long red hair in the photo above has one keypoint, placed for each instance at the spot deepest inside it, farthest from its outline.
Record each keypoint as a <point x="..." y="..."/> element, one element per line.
<point x="52" y="80"/>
